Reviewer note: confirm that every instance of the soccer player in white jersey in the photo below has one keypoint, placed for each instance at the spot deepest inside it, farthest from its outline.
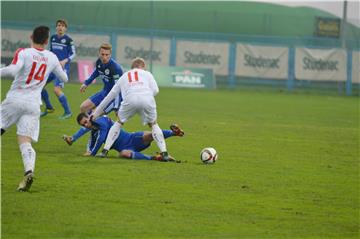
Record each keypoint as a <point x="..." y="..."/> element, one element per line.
<point x="30" y="67"/>
<point x="138" y="88"/>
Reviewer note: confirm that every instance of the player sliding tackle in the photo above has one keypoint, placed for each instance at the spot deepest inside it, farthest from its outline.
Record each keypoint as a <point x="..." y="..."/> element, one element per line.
<point x="138" y="88"/>
<point x="129" y="145"/>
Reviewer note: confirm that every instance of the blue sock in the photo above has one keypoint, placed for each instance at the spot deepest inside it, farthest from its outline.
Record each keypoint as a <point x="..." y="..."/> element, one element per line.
<point x="167" y="133"/>
<point x="80" y="133"/>
<point x="64" y="103"/>
<point x="137" y="155"/>
<point x="46" y="99"/>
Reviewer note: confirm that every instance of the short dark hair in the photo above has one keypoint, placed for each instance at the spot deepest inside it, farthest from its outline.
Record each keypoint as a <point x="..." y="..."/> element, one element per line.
<point x="63" y="21"/>
<point x="81" y="116"/>
<point x="40" y="34"/>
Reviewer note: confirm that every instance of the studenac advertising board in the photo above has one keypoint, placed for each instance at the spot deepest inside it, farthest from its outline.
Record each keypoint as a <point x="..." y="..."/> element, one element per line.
<point x="262" y="61"/>
<point x="87" y="45"/>
<point x="11" y="40"/>
<point x="209" y="55"/>
<point x="320" y="65"/>
<point x="129" y="47"/>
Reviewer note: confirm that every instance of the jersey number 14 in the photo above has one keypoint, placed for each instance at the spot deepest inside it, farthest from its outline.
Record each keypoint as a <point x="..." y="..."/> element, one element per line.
<point x="39" y="75"/>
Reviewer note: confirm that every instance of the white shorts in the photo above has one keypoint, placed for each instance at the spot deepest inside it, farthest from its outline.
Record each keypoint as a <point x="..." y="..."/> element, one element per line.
<point x="145" y="106"/>
<point x="24" y="114"/>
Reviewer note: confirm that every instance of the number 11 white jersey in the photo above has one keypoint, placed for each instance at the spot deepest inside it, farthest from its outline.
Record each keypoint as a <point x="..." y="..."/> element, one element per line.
<point x="31" y="68"/>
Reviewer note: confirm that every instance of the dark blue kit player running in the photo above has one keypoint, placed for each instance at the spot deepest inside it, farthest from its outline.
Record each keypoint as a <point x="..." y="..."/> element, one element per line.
<point x="63" y="47"/>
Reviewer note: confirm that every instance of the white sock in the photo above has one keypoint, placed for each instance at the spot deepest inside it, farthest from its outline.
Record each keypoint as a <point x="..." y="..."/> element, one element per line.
<point x="28" y="156"/>
<point x="113" y="135"/>
<point x="159" y="137"/>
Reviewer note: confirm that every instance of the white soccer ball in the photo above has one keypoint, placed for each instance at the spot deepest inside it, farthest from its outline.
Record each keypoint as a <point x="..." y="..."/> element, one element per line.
<point x="208" y="155"/>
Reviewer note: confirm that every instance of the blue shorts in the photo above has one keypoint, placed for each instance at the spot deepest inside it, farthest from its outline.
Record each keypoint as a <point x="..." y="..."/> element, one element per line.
<point x="114" y="105"/>
<point x="134" y="142"/>
<point x="98" y="97"/>
<point x="137" y="142"/>
<point x="57" y="81"/>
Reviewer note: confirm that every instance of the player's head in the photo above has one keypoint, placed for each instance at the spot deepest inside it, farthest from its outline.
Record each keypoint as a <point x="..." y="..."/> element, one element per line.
<point x="40" y="35"/>
<point x="61" y="26"/>
<point x="105" y="52"/>
<point x="138" y="63"/>
<point x="83" y="119"/>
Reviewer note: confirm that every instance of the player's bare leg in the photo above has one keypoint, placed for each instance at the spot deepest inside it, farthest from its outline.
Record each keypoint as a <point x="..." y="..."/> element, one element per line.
<point x="87" y="106"/>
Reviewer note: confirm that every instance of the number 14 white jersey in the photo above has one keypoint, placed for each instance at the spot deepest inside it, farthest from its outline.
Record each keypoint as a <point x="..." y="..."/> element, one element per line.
<point x="31" y="68"/>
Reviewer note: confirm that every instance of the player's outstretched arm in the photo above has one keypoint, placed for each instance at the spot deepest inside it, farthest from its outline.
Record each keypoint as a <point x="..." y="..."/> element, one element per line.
<point x="9" y="70"/>
<point x="89" y="80"/>
<point x="153" y="85"/>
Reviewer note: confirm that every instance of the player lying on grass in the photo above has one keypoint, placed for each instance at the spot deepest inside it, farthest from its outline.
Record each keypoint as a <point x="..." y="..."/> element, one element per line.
<point x="129" y="145"/>
<point x="113" y="106"/>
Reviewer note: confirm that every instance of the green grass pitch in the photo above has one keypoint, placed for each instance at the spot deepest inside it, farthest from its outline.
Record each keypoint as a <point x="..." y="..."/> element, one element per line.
<point x="288" y="168"/>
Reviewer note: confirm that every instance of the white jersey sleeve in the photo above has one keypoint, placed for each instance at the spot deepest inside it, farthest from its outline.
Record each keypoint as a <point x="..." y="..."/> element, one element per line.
<point x="59" y="72"/>
<point x="152" y="84"/>
<point x="31" y="68"/>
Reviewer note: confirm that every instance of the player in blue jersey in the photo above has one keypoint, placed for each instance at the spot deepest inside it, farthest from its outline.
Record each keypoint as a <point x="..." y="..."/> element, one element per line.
<point x="129" y="145"/>
<point x="108" y="70"/>
<point x="113" y="106"/>
<point x="63" y="47"/>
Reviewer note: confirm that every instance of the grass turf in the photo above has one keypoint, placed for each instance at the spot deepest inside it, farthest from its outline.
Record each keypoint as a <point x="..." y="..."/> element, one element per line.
<point x="288" y="168"/>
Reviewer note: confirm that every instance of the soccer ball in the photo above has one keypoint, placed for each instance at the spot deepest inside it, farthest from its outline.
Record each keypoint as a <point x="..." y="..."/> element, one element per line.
<point x="208" y="155"/>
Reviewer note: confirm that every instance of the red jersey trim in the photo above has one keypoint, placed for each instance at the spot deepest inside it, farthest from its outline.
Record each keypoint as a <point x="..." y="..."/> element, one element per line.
<point x="39" y="49"/>
<point x="16" y="56"/>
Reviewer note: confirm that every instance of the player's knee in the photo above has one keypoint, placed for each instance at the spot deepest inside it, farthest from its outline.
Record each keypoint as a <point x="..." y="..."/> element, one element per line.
<point x="126" y="154"/>
<point x="152" y="124"/>
<point x="57" y="91"/>
<point x="147" y="137"/>
<point x="84" y="108"/>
